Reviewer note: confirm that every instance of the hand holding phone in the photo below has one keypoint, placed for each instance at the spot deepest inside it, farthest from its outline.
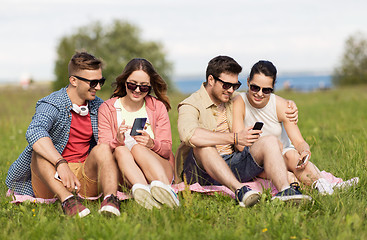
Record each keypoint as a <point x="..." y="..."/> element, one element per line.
<point x="57" y="177"/>
<point x="303" y="161"/>
<point x="258" y="126"/>
<point x="139" y="124"/>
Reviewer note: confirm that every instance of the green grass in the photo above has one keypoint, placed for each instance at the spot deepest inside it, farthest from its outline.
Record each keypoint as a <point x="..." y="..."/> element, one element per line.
<point x="333" y="122"/>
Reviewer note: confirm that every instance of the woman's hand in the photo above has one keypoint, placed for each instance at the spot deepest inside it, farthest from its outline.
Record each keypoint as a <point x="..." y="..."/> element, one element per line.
<point x="121" y="132"/>
<point x="303" y="159"/>
<point x="144" y="139"/>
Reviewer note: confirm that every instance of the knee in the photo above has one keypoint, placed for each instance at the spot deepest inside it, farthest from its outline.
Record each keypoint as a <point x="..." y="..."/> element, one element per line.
<point x="102" y="152"/>
<point x="121" y="152"/>
<point x="271" y="141"/>
<point x="204" y="151"/>
<point x="102" y="147"/>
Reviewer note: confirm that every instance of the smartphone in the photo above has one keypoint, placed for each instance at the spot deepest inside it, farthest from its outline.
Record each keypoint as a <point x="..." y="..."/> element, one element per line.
<point x="303" y="160"/>
<point x="258" y="126"/>
<point x="57" y="177"/>
<point x="139" y="124"/>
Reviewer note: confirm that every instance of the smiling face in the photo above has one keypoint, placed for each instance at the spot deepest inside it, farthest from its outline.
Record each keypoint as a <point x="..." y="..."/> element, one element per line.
<point x="259" y="99"/>
<point x="81" y="90"/>
<point x="215" y="88"/>
<point x="138" y="77"/>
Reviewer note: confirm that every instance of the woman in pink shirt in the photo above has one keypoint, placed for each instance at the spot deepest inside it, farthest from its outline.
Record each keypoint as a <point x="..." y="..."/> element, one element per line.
<point x="146" y="161"/>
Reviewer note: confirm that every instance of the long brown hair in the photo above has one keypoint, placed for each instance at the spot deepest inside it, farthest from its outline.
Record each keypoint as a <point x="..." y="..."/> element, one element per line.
<point x="157" y="82"/>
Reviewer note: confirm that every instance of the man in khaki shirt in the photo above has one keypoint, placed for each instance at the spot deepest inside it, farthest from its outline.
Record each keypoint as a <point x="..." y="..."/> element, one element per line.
<point x="207" y="153"/>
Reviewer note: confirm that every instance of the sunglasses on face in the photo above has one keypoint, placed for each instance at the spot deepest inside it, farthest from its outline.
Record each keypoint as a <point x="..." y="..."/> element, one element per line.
<point x="228" y="85"/>
<point x="143" y="88"/>
<point x="92" y="83"/>
<point x="256" y="89"/>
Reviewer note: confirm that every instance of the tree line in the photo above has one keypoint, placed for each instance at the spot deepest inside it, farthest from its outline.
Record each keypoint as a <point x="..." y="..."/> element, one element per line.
<point x="116" y="44"/>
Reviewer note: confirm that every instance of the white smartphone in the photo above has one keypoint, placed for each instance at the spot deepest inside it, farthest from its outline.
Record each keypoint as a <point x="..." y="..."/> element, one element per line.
<point x="57" y="177"/>
<point x="303" y="160"/>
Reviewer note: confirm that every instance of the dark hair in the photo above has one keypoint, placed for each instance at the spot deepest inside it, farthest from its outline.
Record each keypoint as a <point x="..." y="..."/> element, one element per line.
<point x="222" y="64"/>
<point x="265" y="67"/>
<point x="157" y="82"/>
<point x="83" y="61"/>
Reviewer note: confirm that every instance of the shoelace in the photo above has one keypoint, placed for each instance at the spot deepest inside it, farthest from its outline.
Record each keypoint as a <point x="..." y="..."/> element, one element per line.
<point x="295" y="186"/>
<point x="70" y="203"/>
<point x="239" y="192"/>
<point x="113" y="199"/>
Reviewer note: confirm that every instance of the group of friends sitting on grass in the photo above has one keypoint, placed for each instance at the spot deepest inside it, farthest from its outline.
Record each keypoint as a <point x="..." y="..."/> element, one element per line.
<point x="81" y="146"/>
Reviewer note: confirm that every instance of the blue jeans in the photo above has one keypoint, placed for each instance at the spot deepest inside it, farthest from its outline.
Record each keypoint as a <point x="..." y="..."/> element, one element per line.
<point x="242" y="165"/>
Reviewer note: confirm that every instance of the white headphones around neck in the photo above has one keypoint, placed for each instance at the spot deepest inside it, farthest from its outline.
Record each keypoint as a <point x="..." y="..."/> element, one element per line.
<point x="82" y="110"/>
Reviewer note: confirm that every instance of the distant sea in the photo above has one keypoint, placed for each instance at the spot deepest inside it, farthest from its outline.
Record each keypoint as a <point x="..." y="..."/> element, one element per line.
<point x="296" y="82"/>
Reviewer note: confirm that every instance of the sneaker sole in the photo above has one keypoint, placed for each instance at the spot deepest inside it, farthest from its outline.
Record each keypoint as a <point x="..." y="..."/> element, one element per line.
<point x="83" y="213"/>
<point x="251" y="198"/>
<point x="109" y="210"/>
<point x="294" y="198"/>
<point x="163" y="196"/>
<point x="145" y="199"/>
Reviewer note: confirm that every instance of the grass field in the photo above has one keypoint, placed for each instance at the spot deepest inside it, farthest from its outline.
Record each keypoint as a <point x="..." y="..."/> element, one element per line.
<point x="333" y="123"/>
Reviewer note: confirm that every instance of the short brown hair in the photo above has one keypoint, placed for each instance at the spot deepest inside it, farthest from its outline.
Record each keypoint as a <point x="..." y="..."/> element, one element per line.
<point x="222" y="64"/>
<point x="83" y="61"/>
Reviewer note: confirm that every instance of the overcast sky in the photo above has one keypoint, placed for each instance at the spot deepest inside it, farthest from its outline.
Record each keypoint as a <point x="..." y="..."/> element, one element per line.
<point x="306" y="35"/>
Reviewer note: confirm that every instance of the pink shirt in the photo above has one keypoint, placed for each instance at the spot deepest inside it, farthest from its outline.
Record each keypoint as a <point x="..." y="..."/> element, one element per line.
<point x="159" y="120"/>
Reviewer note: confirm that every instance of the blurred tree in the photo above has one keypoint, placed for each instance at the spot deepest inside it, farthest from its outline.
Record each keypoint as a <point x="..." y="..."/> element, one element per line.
<point x="116" y="45"/>
<point x="353" y="67"/>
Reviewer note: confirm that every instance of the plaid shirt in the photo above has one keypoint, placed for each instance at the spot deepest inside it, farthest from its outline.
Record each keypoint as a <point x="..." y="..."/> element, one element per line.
<point x="52" y="119"/>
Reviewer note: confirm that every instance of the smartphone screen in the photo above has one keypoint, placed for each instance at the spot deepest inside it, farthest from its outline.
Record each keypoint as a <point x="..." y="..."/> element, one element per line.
<point x="139" y="124"/>
<point x="258" y="126"/>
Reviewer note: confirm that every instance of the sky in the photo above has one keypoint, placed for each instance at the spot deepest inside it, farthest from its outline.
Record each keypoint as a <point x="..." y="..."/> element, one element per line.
<point x="297" y="36"/>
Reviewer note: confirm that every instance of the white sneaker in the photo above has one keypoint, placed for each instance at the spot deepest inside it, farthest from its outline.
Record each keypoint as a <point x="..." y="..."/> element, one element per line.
<point x="164" y="194"/>
<point x="323" y="186"/>
<point x="142" y="195"/>
<point x="346" y="184"/>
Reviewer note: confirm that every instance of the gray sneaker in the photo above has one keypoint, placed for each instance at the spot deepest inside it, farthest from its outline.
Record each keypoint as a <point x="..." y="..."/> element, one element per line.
<point x="292" y="194"/>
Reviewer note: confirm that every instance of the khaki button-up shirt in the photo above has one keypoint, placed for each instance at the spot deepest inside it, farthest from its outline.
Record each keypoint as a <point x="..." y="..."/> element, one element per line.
<point x="196" y="111"/>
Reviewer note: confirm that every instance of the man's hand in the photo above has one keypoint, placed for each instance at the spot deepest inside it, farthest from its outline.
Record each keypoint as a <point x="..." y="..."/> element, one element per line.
<point x="292" y="111"/>
<point x="144" y="139"/>
<point x="68" y="178"/>
<point x="247" y="136"/>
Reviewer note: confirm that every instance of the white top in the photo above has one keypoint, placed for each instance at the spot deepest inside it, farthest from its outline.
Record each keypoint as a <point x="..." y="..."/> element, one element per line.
<point x="129" y="117"/>
<point x="267" y="115"/>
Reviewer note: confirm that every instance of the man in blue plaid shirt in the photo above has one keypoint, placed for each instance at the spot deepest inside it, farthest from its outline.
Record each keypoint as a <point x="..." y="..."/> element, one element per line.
<point x="63" y="158"/>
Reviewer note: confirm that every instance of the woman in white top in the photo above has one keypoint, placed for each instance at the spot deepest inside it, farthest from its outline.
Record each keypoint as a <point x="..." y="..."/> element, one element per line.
<point x="146" y="161"/>
<point x="260" y="104"/>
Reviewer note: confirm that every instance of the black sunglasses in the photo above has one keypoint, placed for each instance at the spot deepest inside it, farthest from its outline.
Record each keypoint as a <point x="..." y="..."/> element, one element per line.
<point x="92" y="83"/>
<point x="256" y="89"/>
<point x="228" y="85"/>
<point x="142" y="88"/>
